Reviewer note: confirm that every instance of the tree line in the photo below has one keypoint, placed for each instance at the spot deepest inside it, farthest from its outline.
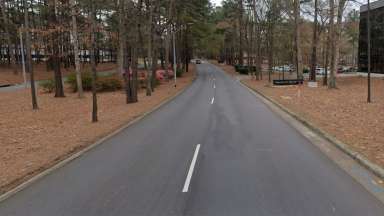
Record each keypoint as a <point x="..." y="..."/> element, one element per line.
<point x="69" y="33"/>
<point x="278" y="32"/>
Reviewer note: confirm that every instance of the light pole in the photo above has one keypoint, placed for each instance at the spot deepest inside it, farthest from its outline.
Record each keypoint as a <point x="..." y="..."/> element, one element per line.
<point x="369" y="51"/>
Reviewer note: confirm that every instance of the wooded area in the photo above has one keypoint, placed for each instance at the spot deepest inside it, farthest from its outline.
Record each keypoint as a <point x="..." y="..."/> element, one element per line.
<point x="142" y="34"/>
<point x="304" y="34"/>
<point x="138" y="35"/>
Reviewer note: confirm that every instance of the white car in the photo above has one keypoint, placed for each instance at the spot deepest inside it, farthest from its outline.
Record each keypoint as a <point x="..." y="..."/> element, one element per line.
<point x="284" y="68"/>
<point x="320" y="71"/>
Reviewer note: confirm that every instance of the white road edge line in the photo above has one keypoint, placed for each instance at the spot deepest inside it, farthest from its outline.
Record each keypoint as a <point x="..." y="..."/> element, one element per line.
<point x="191" y="168"/>
<point x="213" y="100"/>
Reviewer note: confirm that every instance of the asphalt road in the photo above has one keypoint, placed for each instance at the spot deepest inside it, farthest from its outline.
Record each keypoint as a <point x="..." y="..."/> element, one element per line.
<point x="250" y="162"/>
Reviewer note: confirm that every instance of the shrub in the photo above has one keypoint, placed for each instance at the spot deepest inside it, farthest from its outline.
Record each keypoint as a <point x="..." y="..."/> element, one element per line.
<point x="237" y="67"/>
<point x="243" y="70"/>
<point x="179" y="72"/>
<point x="103" y="84"/>
<point x="108" y="84"/>
<point x="306" y="70"/>
<point x="86" y="80"/>
<point x="48" y="86"/>
<point x="250" y="68"/>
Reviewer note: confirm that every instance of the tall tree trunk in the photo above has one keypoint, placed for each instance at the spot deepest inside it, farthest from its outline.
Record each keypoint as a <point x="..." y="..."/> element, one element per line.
<point x="29" y="65"/>
<point x="122" y="36"/>
<point x="75" y="43"/>
<point x="258" y="41"/>
<point x="55" y="35"/>
<point x="123" y="52"/>
<point x="271" y="46"/>
<point x="369" y="95"/>
<point x="314" y="46"/>
<point x="134" y="55"/>
<point x="271" y="39"/>
<point x="250" y="51"/>
<point x="298" y="56"/>
<point x="93" y="61"/>
<point x="187" y="51"/>
<point x="335" y="42"/>
<point x="168" y="38"/>
<point x="134" y="80"/>
<point x="11" y="46"/>
<point x="150" y="51"/>
<point x="166" y="55"/>
<point x="156" y="35"/>
<point x="154" y="65"/>
<point x="241" y="51"/>
<point x="332" y="32"/>
<point x="327" y="52"/>
<point x="259" y="57"/>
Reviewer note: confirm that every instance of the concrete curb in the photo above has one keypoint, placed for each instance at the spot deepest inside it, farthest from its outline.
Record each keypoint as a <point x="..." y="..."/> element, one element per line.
<point x="80" y="153"/>
<point x="362" y="160"/>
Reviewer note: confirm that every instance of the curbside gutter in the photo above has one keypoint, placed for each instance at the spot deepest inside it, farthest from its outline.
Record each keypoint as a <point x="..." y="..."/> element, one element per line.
<point x="362" y="160"/>
<point x="80" y="153"/>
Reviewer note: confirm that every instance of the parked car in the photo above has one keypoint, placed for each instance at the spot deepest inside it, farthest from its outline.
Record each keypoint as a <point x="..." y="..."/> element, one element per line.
<point x="287" y="68"/>
<point x="283" y="68"/>
<point x="276" y="68"/>
<point x="198" y="61"/>
<point x="344" y="69"/>
<point x="321" y="71"/>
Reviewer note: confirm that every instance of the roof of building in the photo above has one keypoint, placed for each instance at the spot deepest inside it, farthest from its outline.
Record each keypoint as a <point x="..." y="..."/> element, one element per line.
<point x="374" y="5"/>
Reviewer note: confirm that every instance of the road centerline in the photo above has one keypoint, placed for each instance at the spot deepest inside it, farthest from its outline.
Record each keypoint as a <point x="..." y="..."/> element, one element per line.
<point x="213" y="100"/>
<point x="191" y="168"/>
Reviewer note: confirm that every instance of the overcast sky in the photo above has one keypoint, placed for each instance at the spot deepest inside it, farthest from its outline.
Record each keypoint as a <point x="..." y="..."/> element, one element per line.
<point x="355" y="5"/>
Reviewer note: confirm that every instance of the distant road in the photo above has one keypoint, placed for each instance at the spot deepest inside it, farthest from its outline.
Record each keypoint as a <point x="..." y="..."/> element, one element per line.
<point x="216" y="150"/>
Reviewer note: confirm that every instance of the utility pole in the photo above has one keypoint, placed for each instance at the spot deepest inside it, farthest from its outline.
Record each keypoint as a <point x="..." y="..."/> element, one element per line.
<point x="369" y="51"/>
